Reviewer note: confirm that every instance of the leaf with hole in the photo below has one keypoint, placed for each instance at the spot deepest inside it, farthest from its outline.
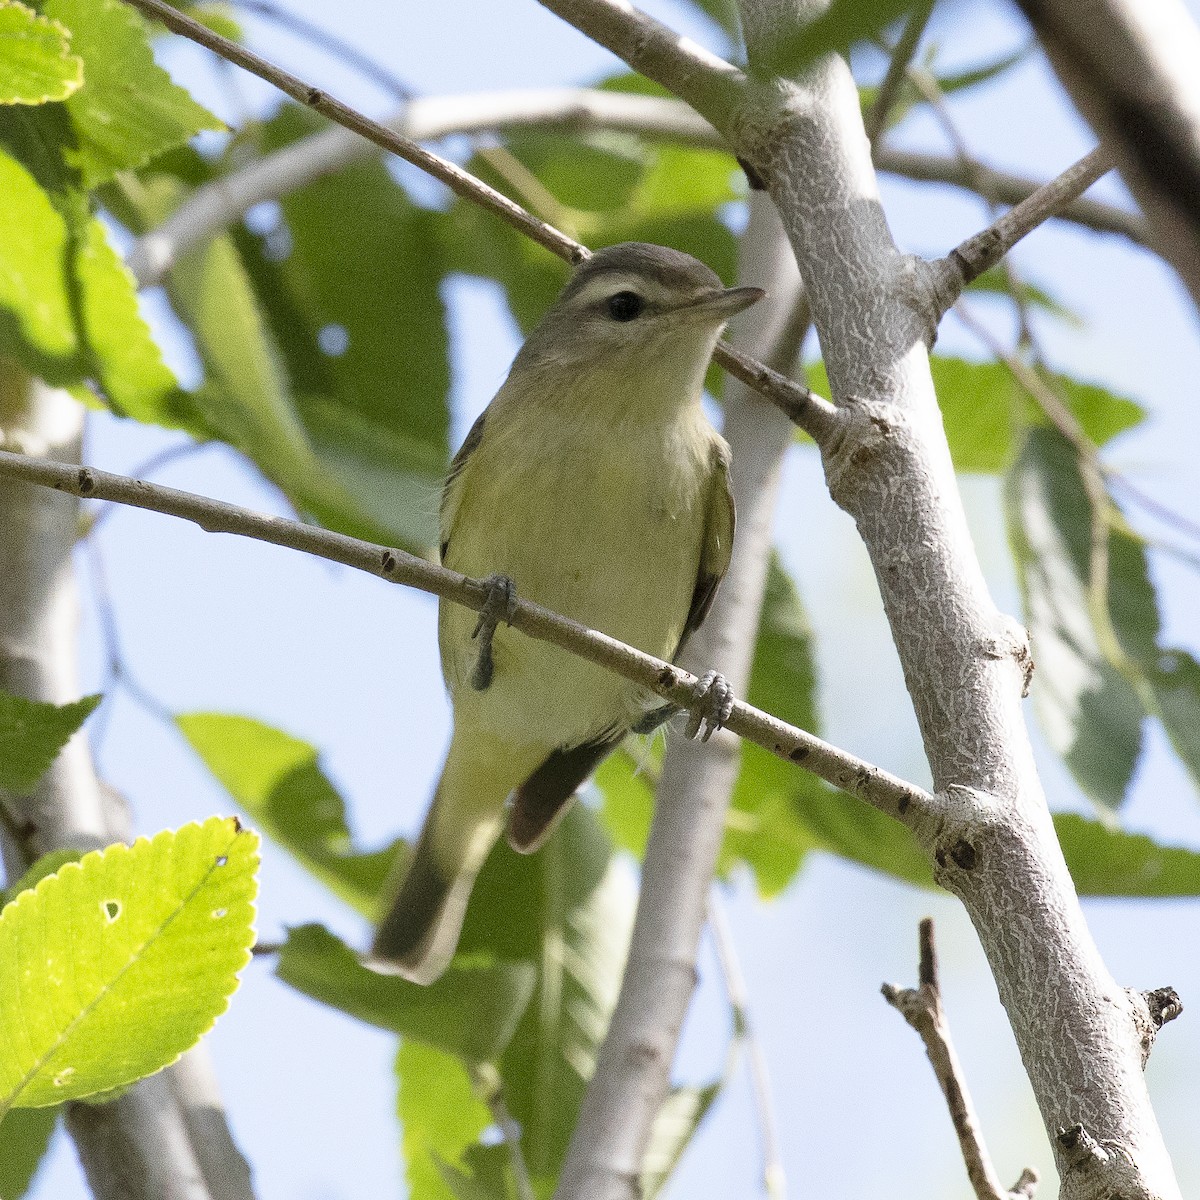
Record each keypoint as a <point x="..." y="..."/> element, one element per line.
<point x="116" y="964"/>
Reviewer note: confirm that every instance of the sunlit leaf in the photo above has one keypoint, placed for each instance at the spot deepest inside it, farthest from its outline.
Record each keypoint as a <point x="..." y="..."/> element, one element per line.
<point x="32" y="734"/>
<point x="440" y="1116"/>
<point x="36" y="63"/>
<point x="495" y="994"/>
<point x="1109" y="862"/>
<point x="128" y="110"/>
<point x="277" y="779"/>
<point x="146" y="938"/>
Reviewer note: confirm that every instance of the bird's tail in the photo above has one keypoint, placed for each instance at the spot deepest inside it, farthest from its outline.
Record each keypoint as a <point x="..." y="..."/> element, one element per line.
<point x="418" y="936"/>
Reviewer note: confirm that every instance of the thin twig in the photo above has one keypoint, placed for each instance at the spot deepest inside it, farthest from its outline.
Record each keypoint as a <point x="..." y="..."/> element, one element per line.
<point x="336" y="47"/>
<point x="876" y="119"/>
<point x="774" y="1179"/>
<point x="985" y="249"/>
<point x="879" y="788"/>
<point x="491" y="1087"/>
<point x="816" y="416"/>
<point x="922" y="1008"/>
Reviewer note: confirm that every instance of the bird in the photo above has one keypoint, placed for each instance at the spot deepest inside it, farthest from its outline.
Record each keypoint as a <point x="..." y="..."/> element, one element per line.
<point x="593" y="484"/>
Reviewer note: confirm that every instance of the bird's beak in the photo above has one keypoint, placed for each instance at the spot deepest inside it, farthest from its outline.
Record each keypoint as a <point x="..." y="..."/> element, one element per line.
<point x="722" y="304"/>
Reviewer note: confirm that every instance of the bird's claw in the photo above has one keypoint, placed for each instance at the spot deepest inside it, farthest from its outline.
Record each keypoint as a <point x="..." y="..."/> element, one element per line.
<point x="713" y="707"/>
<point x="500" y="605"/>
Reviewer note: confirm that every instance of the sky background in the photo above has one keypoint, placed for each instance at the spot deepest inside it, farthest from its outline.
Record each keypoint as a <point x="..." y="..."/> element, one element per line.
<point x="212" y="623"/>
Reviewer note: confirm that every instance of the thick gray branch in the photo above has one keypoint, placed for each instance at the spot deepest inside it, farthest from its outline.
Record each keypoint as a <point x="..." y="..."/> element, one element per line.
<point x="139" y="1146"/>
<point x="966" y="666"/>
<point x="1131" y="68"/>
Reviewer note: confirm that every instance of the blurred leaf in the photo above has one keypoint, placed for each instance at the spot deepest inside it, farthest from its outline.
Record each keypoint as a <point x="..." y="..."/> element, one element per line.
<point x="570" y="909"/>
<point x="128" y="110"/>
<point x="843" y="24"/>
<point x="628" y="793"/>
<point x="148" y="937"/>
<point x="440" y="1115"/>
<point x="47" y="864"/>
<point x="677" y="1121"/>
<point x="593" y="173"/>
<point x="961" y="81"/>
<point x="220" y="18"/>
<point x="1175" y="678"/>
<point x="36" y="63"/>
<point x="278" y="781"/>
<point x="723" y="12"/>
<point x="762" y="826"/>
<point x="851" y="828"/>
<point x="470" y="1011"/>
<point x="995" y="281"/>
<point x="1109" y="862"/>
<point x="31" y="736"/>
<point x="68" y="306"/>
<point x="24" y="1139"/>
<point x="1091" y="714"/>
<point x="984" y="410"/>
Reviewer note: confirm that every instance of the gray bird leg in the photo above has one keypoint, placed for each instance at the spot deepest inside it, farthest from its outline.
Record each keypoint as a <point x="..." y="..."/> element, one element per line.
<point x="500" y="605"/>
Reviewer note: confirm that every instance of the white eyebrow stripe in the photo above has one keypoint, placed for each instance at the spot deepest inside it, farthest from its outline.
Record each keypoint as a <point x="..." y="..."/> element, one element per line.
<point x="611" y="282"/>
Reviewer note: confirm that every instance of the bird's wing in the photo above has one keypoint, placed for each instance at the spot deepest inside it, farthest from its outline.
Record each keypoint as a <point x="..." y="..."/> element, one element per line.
<point x="452" y="488"/>
<point x="716" y="546"/>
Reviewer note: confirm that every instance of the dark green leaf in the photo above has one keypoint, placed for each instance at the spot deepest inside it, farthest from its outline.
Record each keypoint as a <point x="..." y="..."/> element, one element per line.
<point x="440" y="1115"/>
<point x="278" y="781"/>
<point x="31" y="736"/>
<point x="1175" y="678"/>
<point x="1091" y="714"/>
<point x="128" y="110"/>
<point x="36" y="63"/>
<point x="24" y="1139"/>
<point x="470" y="1011"/>
<point x="762" y="826"/>
<point x="1108" y="862"/>
<point x="569" y="908"/>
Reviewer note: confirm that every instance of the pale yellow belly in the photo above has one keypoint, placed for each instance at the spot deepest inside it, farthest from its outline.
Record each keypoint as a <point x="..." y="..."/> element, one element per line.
<point x="617" y="548"/>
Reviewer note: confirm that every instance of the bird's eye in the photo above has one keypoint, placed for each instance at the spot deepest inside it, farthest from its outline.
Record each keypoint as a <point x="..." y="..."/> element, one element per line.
<point x="624" y="306"/>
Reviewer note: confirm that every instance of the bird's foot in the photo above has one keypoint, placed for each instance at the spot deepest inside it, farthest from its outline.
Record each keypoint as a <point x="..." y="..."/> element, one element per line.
<point x="499" y="606"/>
<point x="714" y="706"/>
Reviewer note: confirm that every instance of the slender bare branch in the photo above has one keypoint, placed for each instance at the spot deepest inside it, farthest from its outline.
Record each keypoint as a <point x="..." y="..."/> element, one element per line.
<point x="922" y="1008"/>
<point x="985" y="249"/>
<point x="461" y="182"/>
<point x="773" y="1178"/>
<point x="889" y="88"/>
<point x="1130" y="68"/>
<point x="884" y="791"/>
<point x="1007" y="188"/>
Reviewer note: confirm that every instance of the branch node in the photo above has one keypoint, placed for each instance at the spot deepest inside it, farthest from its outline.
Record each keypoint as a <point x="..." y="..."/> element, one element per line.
<point x="1079" y="1148"/>
<point x="1026" y="1185"/>
<point x="1164" y="1004"/>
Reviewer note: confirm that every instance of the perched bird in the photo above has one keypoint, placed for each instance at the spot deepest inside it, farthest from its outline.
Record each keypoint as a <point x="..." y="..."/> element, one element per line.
<point x="592" y="484"/>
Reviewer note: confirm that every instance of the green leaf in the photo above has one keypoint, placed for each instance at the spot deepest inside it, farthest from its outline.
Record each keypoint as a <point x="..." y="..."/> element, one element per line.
<point x="440" y="1116"/>
<point x="1175" y="678"/>
<point x="570" y="909"/>
<point x="128" y="110"/>
<point x="985" y="411"/>
<point x="68" y="306"/>
<point x="1109" y="862"/>
<point x="763" y="829"/>
<point x="277" y="779"/>
<point x="31" y="736"/>
<point x="36" y="872"/>
<point x="995" y="281"/>
<point x="723" y="12"/>
<point x="115" y="965"/>
<point x="843" y="24"/>
<point x="1091" y="714"/>
<point x="24" y="1139"/>
<point x="36" y="63"/>
<point x="494" y="994"/>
